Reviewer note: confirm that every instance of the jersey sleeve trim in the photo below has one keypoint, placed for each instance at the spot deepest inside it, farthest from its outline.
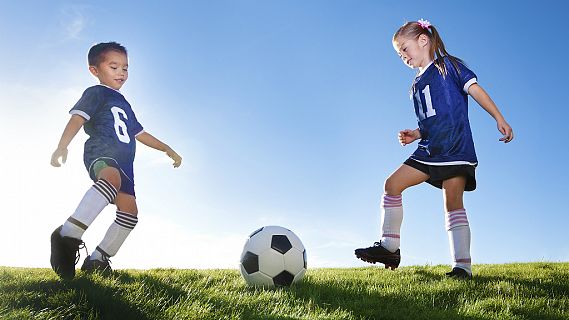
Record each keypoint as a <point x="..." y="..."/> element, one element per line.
<point x="80" y="113"/>
<point x="140" y="132"/>
<point x="468" y="84"/>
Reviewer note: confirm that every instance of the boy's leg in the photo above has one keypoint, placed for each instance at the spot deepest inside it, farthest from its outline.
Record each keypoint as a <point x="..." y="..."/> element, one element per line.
<point x="103" y="192"/>
<point x="66" y="239"/>
<point x="457" y="226"/>
<point x="117" y="233"/>
<point x="387" y="250"/>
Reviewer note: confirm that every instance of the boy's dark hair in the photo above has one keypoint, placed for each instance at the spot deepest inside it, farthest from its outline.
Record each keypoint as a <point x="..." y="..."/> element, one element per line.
<point x="97" y="51"/>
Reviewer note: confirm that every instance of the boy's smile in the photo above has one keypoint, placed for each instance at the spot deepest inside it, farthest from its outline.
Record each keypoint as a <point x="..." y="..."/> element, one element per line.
<point x="113" y="71"/>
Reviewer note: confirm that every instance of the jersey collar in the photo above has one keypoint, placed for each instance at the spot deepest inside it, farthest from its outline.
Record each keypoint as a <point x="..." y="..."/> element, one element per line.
<point x="425" y="69"/>
<point x="103" y="85"/>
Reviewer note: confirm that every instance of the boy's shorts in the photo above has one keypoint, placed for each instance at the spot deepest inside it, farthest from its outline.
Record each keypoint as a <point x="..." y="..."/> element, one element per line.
<point x="95" y="166"/>
<point x="437" y="174"/>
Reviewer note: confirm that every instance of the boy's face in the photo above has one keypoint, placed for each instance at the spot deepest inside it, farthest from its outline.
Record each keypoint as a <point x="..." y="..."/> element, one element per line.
<point x="113" y="70"/>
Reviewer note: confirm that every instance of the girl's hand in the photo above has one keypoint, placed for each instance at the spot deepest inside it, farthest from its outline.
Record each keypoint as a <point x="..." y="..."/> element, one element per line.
<point x="59" y="153"/>
<point x="506" y="130"/>
<point x="174" y="156"/>
<point x="407" y="136"/>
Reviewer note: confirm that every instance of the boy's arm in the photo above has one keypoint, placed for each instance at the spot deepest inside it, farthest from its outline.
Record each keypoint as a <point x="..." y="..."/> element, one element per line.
<point x="71" y="129"/>
<point x="149" y="140"/>
<point x="487" y="104"/>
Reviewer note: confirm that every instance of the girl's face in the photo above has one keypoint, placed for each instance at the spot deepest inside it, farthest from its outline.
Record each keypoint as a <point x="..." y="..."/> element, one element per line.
<point x="113" y="71"/>
<point x="413" y="52"/>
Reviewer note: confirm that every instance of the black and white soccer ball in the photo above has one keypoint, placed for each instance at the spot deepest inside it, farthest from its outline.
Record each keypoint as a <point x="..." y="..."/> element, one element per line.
<point x="273" y="256"/>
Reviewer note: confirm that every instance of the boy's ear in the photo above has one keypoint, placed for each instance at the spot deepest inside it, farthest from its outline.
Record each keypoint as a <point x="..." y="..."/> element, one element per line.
<point x="93" y="70"/>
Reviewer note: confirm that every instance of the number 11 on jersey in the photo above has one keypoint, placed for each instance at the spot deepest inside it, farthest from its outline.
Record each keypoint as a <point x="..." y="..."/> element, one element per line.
<point x="430" y="110"/>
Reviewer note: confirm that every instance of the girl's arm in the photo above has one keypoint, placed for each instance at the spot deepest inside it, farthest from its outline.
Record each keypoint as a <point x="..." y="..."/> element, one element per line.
<point x="71" y="129"/>
<point x="487" y="104"/>
<point x="149" y="140"/>
<point x="407" y="136"/>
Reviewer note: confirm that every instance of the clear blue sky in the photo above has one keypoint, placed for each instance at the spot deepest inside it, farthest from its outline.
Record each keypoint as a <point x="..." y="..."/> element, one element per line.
<point x="286" y="113"/>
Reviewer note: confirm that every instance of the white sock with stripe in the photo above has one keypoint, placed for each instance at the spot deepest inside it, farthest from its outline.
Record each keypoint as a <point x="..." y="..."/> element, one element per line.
<point x="115" y="236"/>
<point x="391" y="219"/>
<point x="458" y="231"/>
<point x="93" y="202"/>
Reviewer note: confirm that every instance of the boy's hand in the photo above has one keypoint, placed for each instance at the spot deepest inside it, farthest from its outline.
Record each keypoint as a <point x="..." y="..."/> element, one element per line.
<point x="174" y="156"/>
<point x="407" y="136"/>
<point x="506" y="130"/>
<point x="59" y="153"/>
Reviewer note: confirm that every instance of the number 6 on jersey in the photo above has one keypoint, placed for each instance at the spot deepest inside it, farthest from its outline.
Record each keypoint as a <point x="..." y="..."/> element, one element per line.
<point x="120" y="126"/>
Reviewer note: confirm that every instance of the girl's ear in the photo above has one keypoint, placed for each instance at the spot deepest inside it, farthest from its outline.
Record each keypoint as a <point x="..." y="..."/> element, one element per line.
<point x="423" y="40"/>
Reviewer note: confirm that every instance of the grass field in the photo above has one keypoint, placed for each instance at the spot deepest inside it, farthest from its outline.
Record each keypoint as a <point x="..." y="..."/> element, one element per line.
<point x="509" y="291"/>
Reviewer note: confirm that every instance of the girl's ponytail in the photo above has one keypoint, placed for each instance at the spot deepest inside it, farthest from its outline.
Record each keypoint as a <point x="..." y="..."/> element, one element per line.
<point x="438" y="52"/>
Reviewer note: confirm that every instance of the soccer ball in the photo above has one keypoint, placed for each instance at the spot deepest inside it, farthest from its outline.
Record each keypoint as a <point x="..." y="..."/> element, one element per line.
<point x="272" y="256"/>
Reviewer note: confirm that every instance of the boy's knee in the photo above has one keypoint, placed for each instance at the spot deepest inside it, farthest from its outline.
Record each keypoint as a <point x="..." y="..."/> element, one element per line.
<point x="126" y="203"/>
<point x="111" y="175"/>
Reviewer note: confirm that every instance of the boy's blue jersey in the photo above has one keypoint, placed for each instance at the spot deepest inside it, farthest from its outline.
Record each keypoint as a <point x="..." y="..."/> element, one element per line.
<point x="111" y="126"/>
<point x="441" y="106"/>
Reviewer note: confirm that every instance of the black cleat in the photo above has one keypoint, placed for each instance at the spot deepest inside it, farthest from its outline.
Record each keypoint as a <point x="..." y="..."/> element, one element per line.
<point x="459" y="273"/>
<point x="377" y="253"/>
<point x="95" y="265"/>
<point x="64" y="254"/>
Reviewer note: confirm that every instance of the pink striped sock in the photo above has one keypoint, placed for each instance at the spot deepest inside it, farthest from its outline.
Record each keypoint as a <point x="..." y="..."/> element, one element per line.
<point x="391" y="219"/>
<point x="458" y="230"/>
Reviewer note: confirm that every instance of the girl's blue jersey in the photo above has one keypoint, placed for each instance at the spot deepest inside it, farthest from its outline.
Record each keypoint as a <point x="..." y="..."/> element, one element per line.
<point x="441" y="106"/>
<point x="111" y="126"/>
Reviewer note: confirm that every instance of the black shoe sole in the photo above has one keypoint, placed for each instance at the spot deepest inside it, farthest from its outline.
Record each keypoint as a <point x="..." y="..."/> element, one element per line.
<point x="390" y="262"/>
<point x="455" y="274"/>
<point x="92" y="267"/>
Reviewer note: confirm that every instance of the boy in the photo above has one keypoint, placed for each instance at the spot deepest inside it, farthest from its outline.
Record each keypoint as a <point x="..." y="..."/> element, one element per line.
<point x="109" y="152"/>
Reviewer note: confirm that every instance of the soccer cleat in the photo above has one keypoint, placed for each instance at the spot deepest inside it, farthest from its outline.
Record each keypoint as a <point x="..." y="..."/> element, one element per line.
<point x="95" y="265"/>
<point x="377" y="253"/>
<point x="459" y="273"/>
<point x="64" y="254"/>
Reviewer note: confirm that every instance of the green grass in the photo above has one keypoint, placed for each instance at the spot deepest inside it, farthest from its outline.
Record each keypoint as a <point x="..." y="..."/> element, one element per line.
<point x="509" y="291"/>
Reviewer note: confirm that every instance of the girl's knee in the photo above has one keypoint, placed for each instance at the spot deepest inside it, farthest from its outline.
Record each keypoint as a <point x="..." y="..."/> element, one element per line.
<point x="391" y="187"/>
<point x="452" y="204"/>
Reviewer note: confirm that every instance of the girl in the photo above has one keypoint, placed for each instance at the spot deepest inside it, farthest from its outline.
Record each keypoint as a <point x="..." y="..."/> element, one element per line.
<point x="445" y="156"/>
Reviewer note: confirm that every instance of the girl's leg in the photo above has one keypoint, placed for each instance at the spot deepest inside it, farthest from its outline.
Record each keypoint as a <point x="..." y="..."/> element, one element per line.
<point x="404" y="177"/>
<point x="387" y="250"/>
<point x="453" y="191"/>
<point x="391" y="203"/>
<point x="102" y="193"/>
<point x="119" y="230"/>
<point x="457" y="224"/>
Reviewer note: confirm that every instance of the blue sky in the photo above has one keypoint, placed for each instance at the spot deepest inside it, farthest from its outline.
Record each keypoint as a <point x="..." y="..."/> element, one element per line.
<point x="286" y="113"/>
